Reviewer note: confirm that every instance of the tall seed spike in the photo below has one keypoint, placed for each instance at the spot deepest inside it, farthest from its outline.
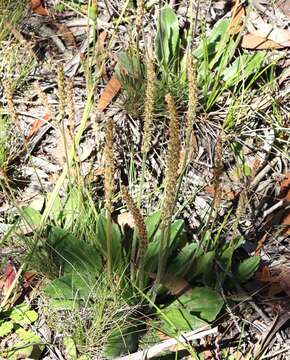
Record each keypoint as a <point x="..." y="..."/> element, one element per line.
<point x="139" y="15"/>
<point x="172" y="163"/>
<point x="149" y="102"/>
<point x="61" y="89"/>
<point x="8" y="93"/>
<point x="139" y="222"/>
<point x="192" y="99"/>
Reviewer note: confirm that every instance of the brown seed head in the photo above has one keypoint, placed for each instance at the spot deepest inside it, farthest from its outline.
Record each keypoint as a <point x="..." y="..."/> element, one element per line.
<point x="172" y="163"/>
<point x="70" y="105"/>
<point x="192" y="98"/>
<point x="8" y="93"/>
<point x="139" y="223"/>
<point x="139" y="15"/>
<point x="241" y="204"/>
<point x="109" y="166"/>
<point x="149" y="105"/>
<point x="44" y="100"/>
<point x="61" y="89"/>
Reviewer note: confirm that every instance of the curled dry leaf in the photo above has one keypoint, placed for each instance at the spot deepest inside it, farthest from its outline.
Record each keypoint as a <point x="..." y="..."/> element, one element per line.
<point x="265" y="36"/>
<point x="285" y="195"/>
<point x="38" y="8"/>
<point x="126" y="218"/>
<point x="7" y="278"/>
<point x="238" y="15"/>
<point x="176" y="285"/>
<point x="66" y="34"/>
<point x="111" y="90"/>
<point x="36" y="126"/>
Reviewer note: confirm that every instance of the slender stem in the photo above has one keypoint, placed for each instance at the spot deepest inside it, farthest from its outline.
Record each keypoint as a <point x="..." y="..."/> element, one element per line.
<point x="139" y="202"/>
<point x="109" y="244"/>
<point x="162" y="259"/>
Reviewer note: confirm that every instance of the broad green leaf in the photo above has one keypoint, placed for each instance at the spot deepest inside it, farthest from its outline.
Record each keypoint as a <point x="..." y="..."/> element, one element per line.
<point x="62" y="304"/>
<point x="56" y="209"/>
<point x="167" y="37"/>
<point x="151" y="256"/>
<point x="70" y="348"/>
<point x="180" y="265"/>
<point x="181" y="318"/>
<point x="70" y="287"/>
<point x="243" y="67"/>
<point x="23" y="315"/>
<point x="72" y="208"/>
<point x="225" y="258"/>
<point x="130" y="63"/>
<point x="5" y="328"/>
<point x="31" y="216"/>
<point x="213" y="40"/>
<point x="120" y="341"/>
<point x="152" y="223"/>
<point x="72" y="254"/>
<point x="101" y="238"/>
<point x="29" y="346"/>
<point x="202" y="265"/>
<point x="206" y="302"/>
<point x="247" y="268"/>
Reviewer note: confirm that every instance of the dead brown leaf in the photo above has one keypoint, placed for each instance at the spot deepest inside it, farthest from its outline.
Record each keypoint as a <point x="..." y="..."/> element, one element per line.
<point x="66" y="34"/>
<point x="269" y="32"/>
<point x="111" y="90"/>
<point x="237" y="19"/>
<point x="254" y="42"/>
<point x="38" y="8"/>
<point x="126" y="218"/>
<point x="175" y="285"/>
<point x="7" y="278"/>
<point x="36" y="126"/>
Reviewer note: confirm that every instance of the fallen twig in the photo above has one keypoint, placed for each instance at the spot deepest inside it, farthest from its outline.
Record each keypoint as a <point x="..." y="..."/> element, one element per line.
<point x="166" y="344"/>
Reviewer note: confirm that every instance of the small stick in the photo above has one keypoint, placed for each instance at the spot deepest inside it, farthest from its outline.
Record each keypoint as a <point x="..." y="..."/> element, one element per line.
<point x="166" y="344"/>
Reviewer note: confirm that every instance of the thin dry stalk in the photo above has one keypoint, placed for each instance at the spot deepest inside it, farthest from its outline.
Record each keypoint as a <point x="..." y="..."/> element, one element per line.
<point x="109" y="190"/>
<point x="218" y="170"/>
<point x="109" y="166"/>
<point x="8" y="93"/>
<point x="61" y="90"/>
<point x="44" y="100"/>
<point x="70" y="106"/>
